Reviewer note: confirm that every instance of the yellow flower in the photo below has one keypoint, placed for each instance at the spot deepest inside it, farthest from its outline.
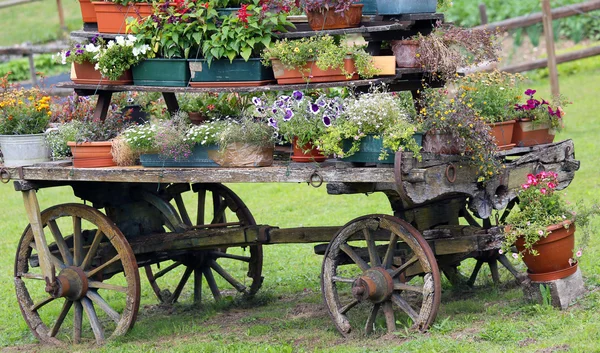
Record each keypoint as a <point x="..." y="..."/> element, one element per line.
<point x="418" y="55"/>
<point x="296" y="49"/>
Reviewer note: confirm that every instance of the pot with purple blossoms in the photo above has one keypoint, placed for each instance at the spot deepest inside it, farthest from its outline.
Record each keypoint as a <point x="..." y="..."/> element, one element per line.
<point x="300" y="119"/>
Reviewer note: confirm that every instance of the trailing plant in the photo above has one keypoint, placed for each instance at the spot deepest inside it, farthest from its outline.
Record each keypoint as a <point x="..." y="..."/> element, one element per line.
<point x="120" y="55"/>
<point x="215" y="105"/>
<point x="206" y="134"/>
<point x="542" y="112"/>
<point x="325" y="5"/>
<point x="22" y="111"/>
<point x="73" y="107"/>
<point x="325" y="51"/>
<point x="82" y="52"/>
<point x="247" y="130"/>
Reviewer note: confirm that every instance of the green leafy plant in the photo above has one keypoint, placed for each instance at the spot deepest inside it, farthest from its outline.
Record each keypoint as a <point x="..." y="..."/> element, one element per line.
<point x="245" y="33"/>
<point x="378" y="114"/>
<point x="215" y="105"/>
<point x="22" y="111"/>
<point x="325" y="51"/>
<point x="82" y="52"/>
<point x="492" y="94"/>
<point x="550" y="113"/>
<point x="325" y="5"/>
<point x="246" y="130"/>
<point x="120" y="55"/>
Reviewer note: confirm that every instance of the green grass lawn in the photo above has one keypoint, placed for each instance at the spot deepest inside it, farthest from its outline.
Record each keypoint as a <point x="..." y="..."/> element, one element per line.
<point x="288" y="314"/>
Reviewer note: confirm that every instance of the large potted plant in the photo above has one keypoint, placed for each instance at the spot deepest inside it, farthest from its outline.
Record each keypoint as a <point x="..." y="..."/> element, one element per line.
<point x="24" y="117"/>
<point x="332" y="14"/>
<point x="373" y="127"/>
<point x="543" y="229"/>
<point x="318" y="59"/>
<point x="300" y="120"/>
<point x="493" y="96"/>
<point x="231" y="52"/>
<point x="538" y="121"/>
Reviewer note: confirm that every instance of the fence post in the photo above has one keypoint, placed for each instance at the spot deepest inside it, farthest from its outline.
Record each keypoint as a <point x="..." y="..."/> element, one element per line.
<point x="483" y="14"/>
<point x="32" y="69"/>
<point x="61" y="18"/>
<point x="548" y="33"/>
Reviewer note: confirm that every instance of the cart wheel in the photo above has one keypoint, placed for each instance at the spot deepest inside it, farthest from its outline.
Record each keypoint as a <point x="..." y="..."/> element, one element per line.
<point x="376" y="264"/>
<point x="239" y="270"/>
<point x="95" y="272"/>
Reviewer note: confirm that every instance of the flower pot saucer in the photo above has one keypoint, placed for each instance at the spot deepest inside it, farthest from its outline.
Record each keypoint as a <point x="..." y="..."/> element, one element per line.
<point x="92" y="81"/>
<point x="231" y="84"/>
<point x="507" y="147"/>
<point x="551" y="276"/>
<point x="308" y="159"/>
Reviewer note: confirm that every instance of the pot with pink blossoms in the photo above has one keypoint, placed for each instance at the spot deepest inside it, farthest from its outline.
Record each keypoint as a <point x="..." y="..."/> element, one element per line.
<point x="543" y="230"/>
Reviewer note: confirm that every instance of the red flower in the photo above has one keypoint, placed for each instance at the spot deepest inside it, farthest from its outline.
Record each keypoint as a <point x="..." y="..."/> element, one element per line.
<point x="243" y="14"/>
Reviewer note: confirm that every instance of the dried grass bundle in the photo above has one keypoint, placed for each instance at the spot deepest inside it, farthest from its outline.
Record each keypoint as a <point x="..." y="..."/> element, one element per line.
<point x="122" y="153"/>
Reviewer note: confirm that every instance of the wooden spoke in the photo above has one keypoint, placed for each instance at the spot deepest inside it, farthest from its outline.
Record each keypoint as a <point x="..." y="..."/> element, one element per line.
<point x="210" y="279"/>
<point x="355" y="257"/>
<point x="220" y="205"/>
<point x="228" y="277"/>
<point x="181" y="284"/>
<point x="220" y="254"/>
<point x="107" y="286"/>
<point x="31" y="276"/>
<point x="201" y="207"/>
<point x="35" y="307"/>
<point x="371" y="320"/>
<point x="167" y="269"/>
<point x="102" y="304"/>
<point x="60" y="243"/>
<point x="77" y="322"/>
<point x="404" y="266"/>
<point x="61" y="317"/>
<point x="342" y="279"/>
<point x="55" y="261"/>
<point x="103" y="266"/>
<point x="92" y="250"/>
<point x="390" y="320"/>
<point x="389" y="254"/>
<point x="77" y="242"/>
<point x="402" y="304"/>
<point x="197" y="285"/>
<point x="402" y="286"/>
<point x="344" y="309"/>
<point x="373" y="256"/>
<point x="185" y="217"/>
<point x="93" y="318"/>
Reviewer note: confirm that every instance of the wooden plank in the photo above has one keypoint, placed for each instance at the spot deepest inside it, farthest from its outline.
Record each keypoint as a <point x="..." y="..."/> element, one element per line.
<point x="531" y="19"/>
<point x="9" y="3"/>
<point x="563" y="58"/>
<point x="303" y="235"/>
<point x="549" y="35"/>
<point x="35" y="221"/>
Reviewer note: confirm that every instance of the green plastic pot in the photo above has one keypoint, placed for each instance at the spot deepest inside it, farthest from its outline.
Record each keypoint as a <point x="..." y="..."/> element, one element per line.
<point x="225" y="71"/>
<point x="162" y="72"/>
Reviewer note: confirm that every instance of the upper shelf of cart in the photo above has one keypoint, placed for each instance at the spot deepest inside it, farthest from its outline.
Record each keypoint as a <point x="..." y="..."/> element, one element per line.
<point x="373" y="27"/>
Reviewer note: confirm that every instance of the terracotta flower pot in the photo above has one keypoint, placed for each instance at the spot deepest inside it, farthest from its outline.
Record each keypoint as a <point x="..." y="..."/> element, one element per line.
<point x="111" y="17"/>
<point x="527" y="133"/>
<point x="307" y="153"/>
<point x="311" y="73"/>
<point x="86" y="74"/>
<point x="554" y="251"/>
<point x="92" y="154"/>
<point x="197" y="118"/>
<point x="405" y="52"/>
<point x="88" y="14"/>
<point x="441" y="143"/>
<point x="503" y="133"/>
<point x="329" y="19"/>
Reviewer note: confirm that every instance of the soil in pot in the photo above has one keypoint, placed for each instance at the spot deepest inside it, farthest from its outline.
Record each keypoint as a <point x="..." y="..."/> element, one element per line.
<point x="329" y="19"/>
<point x="307" y="153"/>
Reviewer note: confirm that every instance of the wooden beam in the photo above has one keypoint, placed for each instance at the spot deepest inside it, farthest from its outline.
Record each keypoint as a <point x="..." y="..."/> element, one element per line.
<point x="549" y="34"/>
<point x="9" y="3"/>
<point x="483" y="14"/>
<point x="541" y="63"/>
<point x="35" y="221"/>
<point x="528" y="20"/>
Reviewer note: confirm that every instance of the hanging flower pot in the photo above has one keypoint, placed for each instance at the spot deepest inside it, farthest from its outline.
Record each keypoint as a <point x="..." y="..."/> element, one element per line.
<point x="323" y="19"/>
<point x="307" y="153"/>
<point x="405" y="52"/>
<point x="527" y="133"/>
<point x="554" y="251"/>
<point x="92" y="154"/>
<point x="88" y="14"/>
<point x="311" y="73"/>
<point x="503" y="133"/>
<point x="22" y="150"/>
<point x="85" y="73"/>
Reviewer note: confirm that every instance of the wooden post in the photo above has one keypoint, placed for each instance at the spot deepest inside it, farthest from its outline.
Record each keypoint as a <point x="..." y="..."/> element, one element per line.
<point x="32" y="69"/>
<point x="35" y="221"/>
<point x="483" y="14"/>
<point x="61" y="18"/>
<point x="549" y="34"/>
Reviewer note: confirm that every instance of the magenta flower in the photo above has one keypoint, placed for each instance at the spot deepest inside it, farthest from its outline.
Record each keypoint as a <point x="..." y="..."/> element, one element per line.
<point x="579" y="253"/>
<point x="530" y="92"/>
<point x="543" y="191"/>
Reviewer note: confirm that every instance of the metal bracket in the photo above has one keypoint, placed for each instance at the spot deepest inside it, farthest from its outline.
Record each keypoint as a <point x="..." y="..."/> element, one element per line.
<point x="4" y="176"/>
<point x="315" y="180"/>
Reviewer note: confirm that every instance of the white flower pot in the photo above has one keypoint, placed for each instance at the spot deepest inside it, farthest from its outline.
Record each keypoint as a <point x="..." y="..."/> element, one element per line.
<point x="22" y="150"/>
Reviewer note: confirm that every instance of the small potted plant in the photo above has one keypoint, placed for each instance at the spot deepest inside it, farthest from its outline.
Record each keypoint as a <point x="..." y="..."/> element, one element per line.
<point x="543" y="229"/>
<point x="453" y="127"/>
<point x="246" y="142"/>
<point x="444" y="51"/>
<point x="112" y="15"/>
<point x="209" y="106"/>
<point x="372" y="129"/>
<point x="24" y="117"/>
<point x="332" y="14"/>
<point x="318" y="59"/>
<point x="300" y="120"/>
<point x="493" y="96"/>
<point x="538" y="121"/>
<point x="116" y="59"/>
<point x="232" y="49"/>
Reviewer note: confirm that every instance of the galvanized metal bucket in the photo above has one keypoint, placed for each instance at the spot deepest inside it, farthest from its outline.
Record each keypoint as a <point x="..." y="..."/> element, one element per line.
<point x="22" y="150"/>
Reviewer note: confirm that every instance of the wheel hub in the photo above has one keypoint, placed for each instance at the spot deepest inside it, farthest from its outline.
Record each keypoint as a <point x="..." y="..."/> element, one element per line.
<point x="375" y="285"/>
<point x="71" y="283"/>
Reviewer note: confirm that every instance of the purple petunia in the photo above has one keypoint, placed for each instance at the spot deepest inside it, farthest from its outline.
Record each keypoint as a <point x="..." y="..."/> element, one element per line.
<point x="273" y="123"/>
<point x="530" y="92"/>
<point x="327" y="121"/>
<point x="314" y="108"/>
<point x="67" y="54"/>
<point x="288" y="115"/>
<point x="298" y="95"/>
<point x="257" y="102"/>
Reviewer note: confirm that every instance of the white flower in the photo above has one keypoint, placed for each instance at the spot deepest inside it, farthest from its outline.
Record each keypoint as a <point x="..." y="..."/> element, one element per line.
<point x="120" y="40"/>
<point x="63" y="57"/>
<point x="97" y="67"/>
<point x="91" y="48"/>
<point x="130" y="40"/>
<point x="111" y="43"/>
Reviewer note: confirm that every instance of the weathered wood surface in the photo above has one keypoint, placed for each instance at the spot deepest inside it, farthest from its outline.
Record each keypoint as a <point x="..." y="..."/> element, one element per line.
<point x="400" y="74"/>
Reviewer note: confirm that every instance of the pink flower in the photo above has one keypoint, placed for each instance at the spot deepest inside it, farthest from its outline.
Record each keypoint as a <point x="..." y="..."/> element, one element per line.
<point x="579" y="252"/>
<point x="528" y="223"/>
<point x="515" y="255"/>
<point x="541" y="232"/>
<point x="551" y="185"/>
<point x="543" y="191"/>
<point x="500" y="252"/>
<point x="525" y="186"/>
<point x="572" y="262"/>
<point x="574" y="213"/>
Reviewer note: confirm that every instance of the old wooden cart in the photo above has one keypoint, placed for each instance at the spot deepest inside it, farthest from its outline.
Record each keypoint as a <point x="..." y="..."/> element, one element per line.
<point x="85" y="258"/>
